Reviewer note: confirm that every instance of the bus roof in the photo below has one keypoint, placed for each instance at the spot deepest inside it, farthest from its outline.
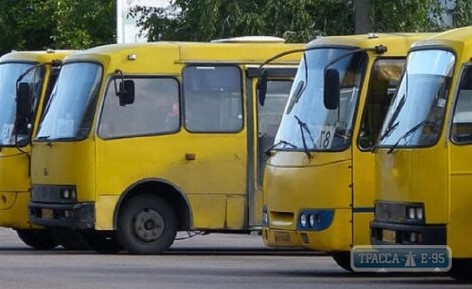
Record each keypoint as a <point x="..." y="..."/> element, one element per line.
<point x="191" y="52"/>
<point x="250" y="39"/>
<point x="396" y="43"/>
<point x="457" y="39"/>
<point x="35" y="56"/>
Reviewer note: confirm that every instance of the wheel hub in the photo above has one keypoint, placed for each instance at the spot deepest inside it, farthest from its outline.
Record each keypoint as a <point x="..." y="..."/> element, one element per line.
<point x="149" y="225"/>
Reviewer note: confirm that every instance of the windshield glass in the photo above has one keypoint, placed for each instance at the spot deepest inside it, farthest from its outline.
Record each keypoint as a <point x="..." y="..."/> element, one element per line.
<point x="9" y="73"/>
<point x="417" y="112"/>
<point x="307" y="124"/>
<point x="71" y="108"/>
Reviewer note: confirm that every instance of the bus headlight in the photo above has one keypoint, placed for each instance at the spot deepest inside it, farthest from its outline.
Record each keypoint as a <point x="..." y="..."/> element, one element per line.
<point x="414" y="213"/>
<point x="312" y="221"/>
<point x="68" y="194"/>
<point x="265" y="216"/>
<point x="315" y="219"/>
<point x="303" y="220"/>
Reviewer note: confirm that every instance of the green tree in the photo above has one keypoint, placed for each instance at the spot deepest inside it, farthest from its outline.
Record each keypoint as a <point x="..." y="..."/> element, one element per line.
<point x="25" y="24"/>
<point x="203" y="20"/>
<point x="462" y="13"/>
<point x="42" y="24"/>
<point x="83" y="24"/>
<point x="405" y="16"/>
<point x="296" y="20"/>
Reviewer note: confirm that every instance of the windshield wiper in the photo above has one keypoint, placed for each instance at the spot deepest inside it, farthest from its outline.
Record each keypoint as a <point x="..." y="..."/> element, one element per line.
<point x="387" y="132"/>
<point x="303" y="127"/>
<point x="267" y="151"/>
<point x="43" y="137"/>
<point x="391" y="124"/>
<point x="409" y="132"/>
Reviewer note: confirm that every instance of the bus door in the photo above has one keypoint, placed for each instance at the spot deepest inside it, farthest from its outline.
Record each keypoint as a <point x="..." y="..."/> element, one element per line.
<point x="384" y="78"/>
<point x="263" y="128"/>
<point x="216" y="152"/>
<point x="461" y="166"/>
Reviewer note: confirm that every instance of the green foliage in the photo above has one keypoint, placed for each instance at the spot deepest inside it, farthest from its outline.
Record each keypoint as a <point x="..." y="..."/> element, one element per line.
<point x="78" y="24"/>
<point x="23" y="25"/>
<point x="405" y="16"/>
<point x="42" y="24"/>
<point x="204" y="20"/>
<point x="463" y="13"/>
<point x="295" y="20"/>
<point x="83" y="24"/>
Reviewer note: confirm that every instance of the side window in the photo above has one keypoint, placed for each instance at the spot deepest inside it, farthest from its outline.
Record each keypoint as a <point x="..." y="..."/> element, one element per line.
<point x="461" y="131"/>
<point x="213" y="98"/>
<point x="270" y="114"/>
<point x="383" y="82"/>
<point x="269" y="117"/>
<point x="155" y="109"/>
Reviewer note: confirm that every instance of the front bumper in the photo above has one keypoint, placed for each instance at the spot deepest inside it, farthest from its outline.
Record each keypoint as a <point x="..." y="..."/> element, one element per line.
<point x="73" y="216"/>
<point x="386" y="233"/>
<point x="281" y="238"/>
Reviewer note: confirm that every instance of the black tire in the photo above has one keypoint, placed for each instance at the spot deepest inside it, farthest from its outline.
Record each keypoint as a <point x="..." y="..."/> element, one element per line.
<point x="343" y="259"/>
<point x="70" y="239"/>
<point x="146" y="225"/>
<point x="102" y="242"/>
<point x="38" y="239"/>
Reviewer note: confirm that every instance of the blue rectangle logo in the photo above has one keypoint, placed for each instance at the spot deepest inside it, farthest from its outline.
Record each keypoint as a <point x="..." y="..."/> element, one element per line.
<point x="401" y="258"/>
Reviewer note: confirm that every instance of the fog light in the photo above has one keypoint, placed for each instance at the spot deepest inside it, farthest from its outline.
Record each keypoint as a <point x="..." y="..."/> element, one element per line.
<point x="413" y="237"/>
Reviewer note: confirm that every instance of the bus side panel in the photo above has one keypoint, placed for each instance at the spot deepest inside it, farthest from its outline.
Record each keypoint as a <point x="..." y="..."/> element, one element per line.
<point x="14" y="188"/>
<point x="104" y="208"/>
<point x="459" y="231"/>
<point x="209" y="211"/>
<point x="361" y="227"/>
<point x="235" y="204"/>
<point x="217" y="171"/>
<point x="363" y="194"/>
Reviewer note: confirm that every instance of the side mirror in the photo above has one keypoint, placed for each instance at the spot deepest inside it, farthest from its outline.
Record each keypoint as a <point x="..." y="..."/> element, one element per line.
<point x="332" y="89"/>
<point x="126" y="92"/>
<point x="23" y="107"/>
<point x="262" y="87"/>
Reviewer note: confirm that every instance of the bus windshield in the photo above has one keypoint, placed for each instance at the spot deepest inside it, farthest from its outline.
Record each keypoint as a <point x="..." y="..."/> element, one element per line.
<point x="71" y="108"/>
<point x="307" y="124"/>
<point x="9" y="73"/>
<point x="415" y="117"/>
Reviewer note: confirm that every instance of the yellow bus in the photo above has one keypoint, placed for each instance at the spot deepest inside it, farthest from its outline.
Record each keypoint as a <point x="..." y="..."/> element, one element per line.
<point x="423" y="157"/>
<point x="141" y="141"/>
<point x="318" y="184"/>
<point x="38" y="69"/>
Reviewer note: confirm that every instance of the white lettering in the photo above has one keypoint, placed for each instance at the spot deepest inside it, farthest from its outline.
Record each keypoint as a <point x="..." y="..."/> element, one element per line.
<point x="424" y="258"/>
<point x="378" y="258"/>
<point x="395" y="259"/>
<point x="362" y="255"/>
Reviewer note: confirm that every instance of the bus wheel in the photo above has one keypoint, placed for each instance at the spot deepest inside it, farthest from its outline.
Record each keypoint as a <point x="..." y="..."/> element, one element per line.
<point x="343" y="259"/>
<point x="102" y="242"/>
<point x="146" y="225"/>
<point x="37" y="238"/>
